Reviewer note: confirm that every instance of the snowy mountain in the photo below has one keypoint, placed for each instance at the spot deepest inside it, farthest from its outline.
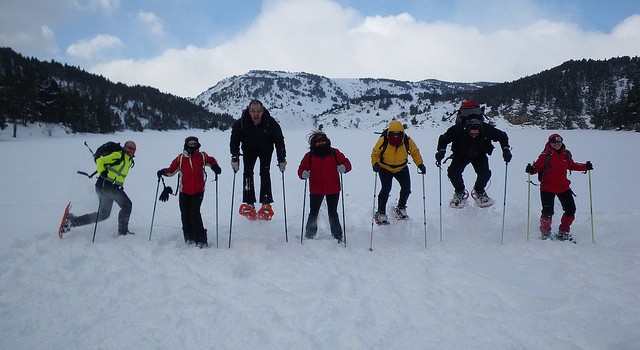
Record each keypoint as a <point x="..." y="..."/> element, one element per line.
<point x="585" y="94"/>
<point x="308" y="99"/>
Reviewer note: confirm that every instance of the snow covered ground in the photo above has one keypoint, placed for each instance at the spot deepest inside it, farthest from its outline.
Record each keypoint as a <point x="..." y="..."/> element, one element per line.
<point x="464" y="291"/>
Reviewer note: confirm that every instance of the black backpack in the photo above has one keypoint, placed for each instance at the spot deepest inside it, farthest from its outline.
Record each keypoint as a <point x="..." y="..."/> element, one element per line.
<point x="108" y="148"/>
<point x="104" y="150"/>
<point x="464" y="114"/>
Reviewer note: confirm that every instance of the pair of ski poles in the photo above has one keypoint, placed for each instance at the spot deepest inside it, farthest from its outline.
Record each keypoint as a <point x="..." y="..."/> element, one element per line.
<point x="373" y="210"/>
<point x="155" y="202"/>
<point x="593" y="234"/>
<point x="504" y="201"/>
<point x="344" y="224"/>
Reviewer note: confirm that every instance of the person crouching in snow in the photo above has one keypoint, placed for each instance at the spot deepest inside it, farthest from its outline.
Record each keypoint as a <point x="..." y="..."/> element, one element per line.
<point x="551" y="167"/>
<point x="389" y="158"/>
<point x="322" y="166"/>
<point x="191" y="163"/>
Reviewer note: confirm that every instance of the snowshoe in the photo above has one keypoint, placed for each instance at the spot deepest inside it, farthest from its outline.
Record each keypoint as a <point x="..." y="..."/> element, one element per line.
<point x="247" y="210"/>
<point x="381" y="219"/>
<point x="65" y="223"/>
<point x="459" y="200"/>
<point x="400" y="213"/>
<point x="545" y="235"/>
<point x="265" y="213"/>
<point x="564" y="236"/>
<point x="482" y="199"/>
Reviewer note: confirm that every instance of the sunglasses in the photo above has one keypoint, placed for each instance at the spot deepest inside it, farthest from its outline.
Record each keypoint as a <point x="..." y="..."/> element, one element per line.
<point x="395" y="133"/>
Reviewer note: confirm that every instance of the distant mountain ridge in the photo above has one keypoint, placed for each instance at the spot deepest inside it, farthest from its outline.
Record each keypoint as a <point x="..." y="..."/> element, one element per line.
<point x="584" y="94"/>
<point x="309" y="99"/>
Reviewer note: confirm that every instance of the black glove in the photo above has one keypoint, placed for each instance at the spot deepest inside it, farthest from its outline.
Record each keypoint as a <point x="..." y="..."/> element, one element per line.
<point x="164" y="196"/>
<point x="506" y="154"/>
<point x="161" y="173"/>
<point x="439" y="157"/>
<point x="589" y="165"/>
<point x="529" y="169"/>
<point x="422" y="168"/>
<point x="376" y="167"/>
<point x="235" y="163"/>
<point x="216" y="169"/>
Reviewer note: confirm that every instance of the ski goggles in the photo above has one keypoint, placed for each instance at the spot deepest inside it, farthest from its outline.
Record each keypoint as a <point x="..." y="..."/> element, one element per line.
<point x="473" y="124"/>
<point x="556" y="139"/>
<point x="465" y="112"/>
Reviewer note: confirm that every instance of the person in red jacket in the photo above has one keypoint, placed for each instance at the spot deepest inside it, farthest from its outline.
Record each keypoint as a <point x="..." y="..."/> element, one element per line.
<point x="190" y="164"/>
<point x="551" y="167"/>
<point x="322" y="166"/>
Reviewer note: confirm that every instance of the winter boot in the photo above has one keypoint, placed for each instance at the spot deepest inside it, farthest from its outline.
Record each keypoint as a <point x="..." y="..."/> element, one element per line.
<point x="565" y="223"/>
<point x="459" y="199"/>
<point x="336" y="229"/>
<point x="564" y="236"/>
<point x="66" y="227"/>
<point x="482" y="199"/>
<point x="311" y="227"/>
<point x="381" y="218"/>
<point x="400" y="213"/>
<point x="545" y="227"/>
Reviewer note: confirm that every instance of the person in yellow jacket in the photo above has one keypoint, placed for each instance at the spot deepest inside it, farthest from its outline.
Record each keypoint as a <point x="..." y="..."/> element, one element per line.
<point x="389" y="159"/>
<point x="113" y="169"/>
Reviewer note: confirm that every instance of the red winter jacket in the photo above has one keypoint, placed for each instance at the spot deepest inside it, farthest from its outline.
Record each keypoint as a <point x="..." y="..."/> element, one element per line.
<point x="554" y="178"/>
<point x="324" y="177"/>
<point x="192" y="170"/>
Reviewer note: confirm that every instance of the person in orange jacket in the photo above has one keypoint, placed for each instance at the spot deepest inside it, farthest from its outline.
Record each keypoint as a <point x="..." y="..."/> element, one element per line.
<point x="552" y="166"/>
<point x="322" y="166"/>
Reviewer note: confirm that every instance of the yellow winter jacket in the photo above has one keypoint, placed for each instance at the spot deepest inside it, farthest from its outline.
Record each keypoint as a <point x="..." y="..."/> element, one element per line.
<point x="395" y="158"/>
<point x="116" y="170"/>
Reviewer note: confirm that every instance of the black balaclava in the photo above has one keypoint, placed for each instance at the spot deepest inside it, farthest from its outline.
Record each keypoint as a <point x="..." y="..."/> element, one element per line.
<point x="191" y="150"/>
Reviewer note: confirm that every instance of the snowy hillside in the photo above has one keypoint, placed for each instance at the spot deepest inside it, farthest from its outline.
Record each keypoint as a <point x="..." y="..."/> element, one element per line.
<point x="465" y="290"/>
<point x="302" y="99"/>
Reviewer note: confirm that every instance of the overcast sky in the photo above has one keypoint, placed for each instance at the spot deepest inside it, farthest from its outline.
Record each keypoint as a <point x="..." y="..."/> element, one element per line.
<point x="186" y="46"/>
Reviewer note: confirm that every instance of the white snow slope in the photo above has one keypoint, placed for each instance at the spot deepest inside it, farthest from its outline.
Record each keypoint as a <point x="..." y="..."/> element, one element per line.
<point x="465" y="290"/>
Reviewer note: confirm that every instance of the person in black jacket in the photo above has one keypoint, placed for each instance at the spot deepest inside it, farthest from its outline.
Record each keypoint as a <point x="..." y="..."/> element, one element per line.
<point x="258" y="133"/>
<point x="470" y="140"/>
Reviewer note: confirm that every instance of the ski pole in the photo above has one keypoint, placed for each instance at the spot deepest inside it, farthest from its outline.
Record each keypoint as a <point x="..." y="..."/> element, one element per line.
<point x="89" y="148"/>
<point x="233" y="189"/>
<point x="528" y="204"/>
<point x="344" y="223"/>
<point x="304" y="203"/>
<point x="424" y="212"/>
<point x="216" y="180"/>
<point x="373" y="210"/>
<point x="593" y="234"/>
<point x="95" y="227"/>
<point x="284" y="203"/>
<point x="155" y="202"/>
<point x="504" y="200"/>
<point x="440" y="195"/>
